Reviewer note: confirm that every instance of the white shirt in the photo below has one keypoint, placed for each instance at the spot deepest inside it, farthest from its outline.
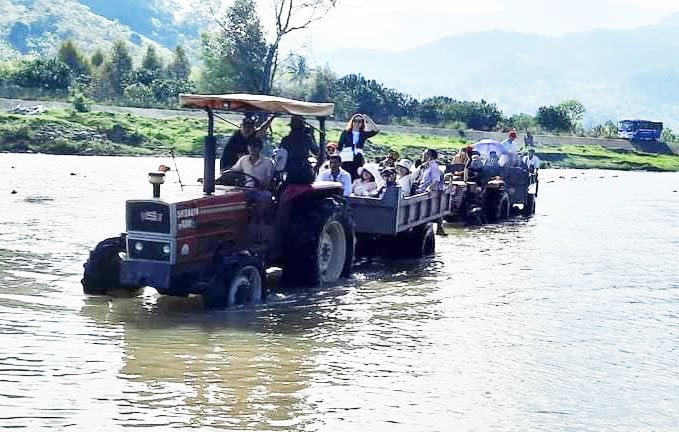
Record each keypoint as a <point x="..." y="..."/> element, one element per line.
<point x="406" y="185"/>
<point x="509" y="146"/>
<point x="431" y="175"/>
<point x="535" y="162"/>
<point x="342" y="177"/>
<point x="262" y="170"/>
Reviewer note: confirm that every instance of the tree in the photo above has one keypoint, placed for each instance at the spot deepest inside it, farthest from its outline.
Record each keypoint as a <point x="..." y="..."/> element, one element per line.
<point x="52" y="74"/>
<point x="179" y="68"/>
<point x="554" y="118"/>
<point x="97" y="58"/>
<point x="237" y="52"/>
<point x="290" y="16"/>
<point x="299" y="68"/>
<point x="152" y="62"/>
<point x="117" y="70"/>
<point x="73" y="57"/>
<point x="574" y="110"/>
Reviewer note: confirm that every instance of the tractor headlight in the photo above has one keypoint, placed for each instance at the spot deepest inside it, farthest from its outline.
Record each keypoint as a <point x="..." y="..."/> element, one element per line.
<point x="167" y="249"/>
<point x="138" y="246"/>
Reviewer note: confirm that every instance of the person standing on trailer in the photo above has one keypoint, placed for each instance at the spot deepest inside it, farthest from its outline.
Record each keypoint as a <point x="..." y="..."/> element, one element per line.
<point x="352" y="140"/>
<point x="531" y="162"/>
<point x="336" y="173"/>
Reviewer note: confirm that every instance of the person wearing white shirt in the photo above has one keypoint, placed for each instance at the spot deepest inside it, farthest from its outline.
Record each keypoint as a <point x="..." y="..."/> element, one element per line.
<point x="336" y="174"/>
<point x="404" y="179"/>
<point x="510" y="151"/>
<point x="531" y="161"/>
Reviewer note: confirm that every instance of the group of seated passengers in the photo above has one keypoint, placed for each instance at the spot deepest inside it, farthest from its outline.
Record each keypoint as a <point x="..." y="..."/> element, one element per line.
<point x="475" y="164"/>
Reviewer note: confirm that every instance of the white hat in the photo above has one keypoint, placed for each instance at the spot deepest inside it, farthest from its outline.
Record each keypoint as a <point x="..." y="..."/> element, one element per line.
<point x="373" y="169"/>
<point x="405" y="163"/>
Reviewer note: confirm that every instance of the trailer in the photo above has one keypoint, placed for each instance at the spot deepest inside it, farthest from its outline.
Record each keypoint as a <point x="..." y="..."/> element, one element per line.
<point x="397" y="226"/>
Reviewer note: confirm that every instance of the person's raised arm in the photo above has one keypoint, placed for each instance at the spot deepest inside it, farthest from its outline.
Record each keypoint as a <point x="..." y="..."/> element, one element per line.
<point x="260" y="132"/>
<point x="371" y="128"/>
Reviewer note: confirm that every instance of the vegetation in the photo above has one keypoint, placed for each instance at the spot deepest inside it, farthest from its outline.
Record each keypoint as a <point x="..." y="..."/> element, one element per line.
<point x="100" y="133"/>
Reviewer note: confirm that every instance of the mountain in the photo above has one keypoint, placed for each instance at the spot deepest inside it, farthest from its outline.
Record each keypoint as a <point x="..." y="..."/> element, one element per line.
<point x="614" y="73"/>
<point x="38" y="27"/>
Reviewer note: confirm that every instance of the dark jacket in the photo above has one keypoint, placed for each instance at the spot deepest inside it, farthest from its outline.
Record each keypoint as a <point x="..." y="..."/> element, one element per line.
<point x="299" y="146"/>
<point x="347" y="139"/>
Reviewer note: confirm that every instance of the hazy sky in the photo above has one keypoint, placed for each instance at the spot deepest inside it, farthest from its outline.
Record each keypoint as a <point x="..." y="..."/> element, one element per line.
<point x="403" y="24"/>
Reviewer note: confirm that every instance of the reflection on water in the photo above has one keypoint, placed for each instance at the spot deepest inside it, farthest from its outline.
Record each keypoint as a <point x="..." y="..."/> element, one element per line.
<point x="565" y="321"/>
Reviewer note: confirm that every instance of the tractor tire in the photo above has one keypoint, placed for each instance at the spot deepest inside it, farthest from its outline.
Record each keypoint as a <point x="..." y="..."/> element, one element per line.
<point x="102" y="270"/>
<point x="416" y="243"/>
<point x="238" y="281"/>
<point x="319" y="245"/>
<point x="529" y="206"/>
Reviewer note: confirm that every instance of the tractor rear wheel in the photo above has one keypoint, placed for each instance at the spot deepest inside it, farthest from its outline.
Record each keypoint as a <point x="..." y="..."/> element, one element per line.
<point x="496" y="206"/>
<point x="102" y="269"/>
<point x="529" y="206"/>
<point x="319" y="246"/>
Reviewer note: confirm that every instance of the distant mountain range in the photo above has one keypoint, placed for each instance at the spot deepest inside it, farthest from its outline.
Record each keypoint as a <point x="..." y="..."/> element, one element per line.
<point x="614" y="73"/>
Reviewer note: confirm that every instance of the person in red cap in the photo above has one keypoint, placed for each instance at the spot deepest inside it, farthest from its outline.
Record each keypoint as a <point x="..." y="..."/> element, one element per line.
<point x="510" y="150"/>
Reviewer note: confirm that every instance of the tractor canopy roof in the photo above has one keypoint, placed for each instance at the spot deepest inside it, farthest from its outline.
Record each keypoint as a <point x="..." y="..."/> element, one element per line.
<point x="257" y="103"/>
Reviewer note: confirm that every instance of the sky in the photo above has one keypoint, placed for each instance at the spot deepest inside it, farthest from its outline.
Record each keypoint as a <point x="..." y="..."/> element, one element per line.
<point x="403" y="24"/>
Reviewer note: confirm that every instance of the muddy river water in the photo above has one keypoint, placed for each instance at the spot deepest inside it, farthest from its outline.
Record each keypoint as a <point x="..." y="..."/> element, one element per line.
<point x="567" y="321"/>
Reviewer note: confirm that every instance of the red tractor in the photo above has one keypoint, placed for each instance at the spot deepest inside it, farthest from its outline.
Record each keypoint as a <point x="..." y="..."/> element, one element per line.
<point x="215" y="243"/>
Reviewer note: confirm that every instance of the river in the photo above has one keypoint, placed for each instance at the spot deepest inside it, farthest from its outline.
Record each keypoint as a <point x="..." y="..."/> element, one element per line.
<point x="567" y="321"/>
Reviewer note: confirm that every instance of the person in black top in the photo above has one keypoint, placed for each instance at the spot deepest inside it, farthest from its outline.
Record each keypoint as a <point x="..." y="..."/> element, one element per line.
<point x="238" y="143"/>
<point x="353" y="139"/>
<point x="299" y="144"/>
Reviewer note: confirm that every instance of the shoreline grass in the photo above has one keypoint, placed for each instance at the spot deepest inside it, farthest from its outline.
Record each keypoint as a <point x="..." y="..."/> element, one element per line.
<point x="125" y="134"/>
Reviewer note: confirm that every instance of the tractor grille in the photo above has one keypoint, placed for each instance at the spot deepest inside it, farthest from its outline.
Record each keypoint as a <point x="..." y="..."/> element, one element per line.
<point x="149" y="250"/>
<point x="149" y="217"/>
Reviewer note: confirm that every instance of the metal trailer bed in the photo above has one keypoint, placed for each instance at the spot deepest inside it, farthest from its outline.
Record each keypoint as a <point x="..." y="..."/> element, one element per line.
<point x="392" y="214"/>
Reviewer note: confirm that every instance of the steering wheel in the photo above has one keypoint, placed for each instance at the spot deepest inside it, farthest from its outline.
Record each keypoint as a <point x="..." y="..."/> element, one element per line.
<point x="238" y="179"/>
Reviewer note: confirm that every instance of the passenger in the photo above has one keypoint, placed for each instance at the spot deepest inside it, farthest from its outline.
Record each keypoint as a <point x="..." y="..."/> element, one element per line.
<point x="531" y="162"/>
<point x="416" y="174"/>
<point x="352" y="140"/>
<point x="392" y="157"/>
<point x="493" y="161"/>
<point x="238" y="143"/>
<point x="430" y="173"/>
<point x="336" y="173"/>
<point x="368" y="182"/>
<point x="461" y="157"/>
<point x="510" y="151"/>
<point x="389" y="176"/>
<point x="299" y="146"/>
<point x="404" y="180"/>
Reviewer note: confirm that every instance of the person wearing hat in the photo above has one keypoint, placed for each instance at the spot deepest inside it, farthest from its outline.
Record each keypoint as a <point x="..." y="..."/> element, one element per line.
<point x="352" y="140"/>
<point x="368" y="181"/>
<point x="299" y="145"/>
<point x="510" y="150"/>
<point x="403" y="178"/>
<point x="238" y="143"/>
<point x="335" y="173"/>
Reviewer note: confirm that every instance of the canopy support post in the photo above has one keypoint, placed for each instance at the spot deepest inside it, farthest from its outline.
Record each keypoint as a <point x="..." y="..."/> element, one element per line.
<point x="209" y="154"/>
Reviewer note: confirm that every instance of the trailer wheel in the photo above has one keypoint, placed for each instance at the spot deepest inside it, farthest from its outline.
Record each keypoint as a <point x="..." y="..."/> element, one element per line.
<point x="320" y="243"/>
<point x="102" y="270"/>
<point x="240" y="281"/>
<point x="416" y="243"/>
<point x="529" y="206"/>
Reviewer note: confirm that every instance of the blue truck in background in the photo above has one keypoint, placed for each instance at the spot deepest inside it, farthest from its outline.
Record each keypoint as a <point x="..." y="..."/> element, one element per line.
<point x="640" y="130"/>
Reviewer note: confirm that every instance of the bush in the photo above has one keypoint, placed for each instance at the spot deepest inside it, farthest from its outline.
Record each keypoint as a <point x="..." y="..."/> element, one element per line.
<point x="80" y="103"/>
<point x="50" y="74"/>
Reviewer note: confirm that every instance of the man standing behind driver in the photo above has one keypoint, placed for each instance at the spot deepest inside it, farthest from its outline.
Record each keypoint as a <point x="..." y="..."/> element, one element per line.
<point x="238" y="143"/>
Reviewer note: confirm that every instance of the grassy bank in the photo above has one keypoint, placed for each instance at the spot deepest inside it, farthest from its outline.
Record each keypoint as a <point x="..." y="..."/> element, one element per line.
<point x="102" y="133"/>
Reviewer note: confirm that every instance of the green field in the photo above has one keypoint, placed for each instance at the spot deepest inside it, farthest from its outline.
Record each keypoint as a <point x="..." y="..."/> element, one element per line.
<point x="101" y="133"/>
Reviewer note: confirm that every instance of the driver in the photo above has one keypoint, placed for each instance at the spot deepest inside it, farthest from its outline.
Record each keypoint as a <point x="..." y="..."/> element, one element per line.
<point x="255" y="165"/>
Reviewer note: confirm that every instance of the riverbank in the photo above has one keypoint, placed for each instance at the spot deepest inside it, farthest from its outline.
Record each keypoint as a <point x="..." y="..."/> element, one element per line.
<point x="62" y="131"/>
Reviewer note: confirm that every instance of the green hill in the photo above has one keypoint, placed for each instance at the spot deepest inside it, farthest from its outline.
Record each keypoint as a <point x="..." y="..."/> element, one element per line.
<point x="38" y="27"/>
